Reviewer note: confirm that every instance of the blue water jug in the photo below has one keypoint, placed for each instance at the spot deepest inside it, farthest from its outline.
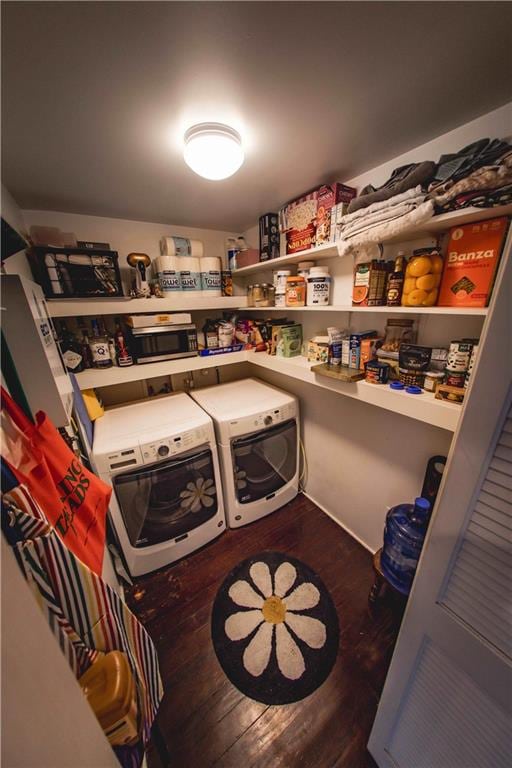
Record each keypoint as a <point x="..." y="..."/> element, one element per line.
<point x="404" y="534"/>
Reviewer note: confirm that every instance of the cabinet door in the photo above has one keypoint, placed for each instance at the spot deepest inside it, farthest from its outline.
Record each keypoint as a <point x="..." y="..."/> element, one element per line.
<point x="447" y="701"/>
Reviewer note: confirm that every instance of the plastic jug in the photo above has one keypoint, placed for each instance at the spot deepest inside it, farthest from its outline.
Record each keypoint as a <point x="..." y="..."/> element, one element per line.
<point x="404" y="534"/>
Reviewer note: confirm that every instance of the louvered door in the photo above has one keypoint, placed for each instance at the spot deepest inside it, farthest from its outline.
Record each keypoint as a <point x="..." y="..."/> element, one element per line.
<point x="447" y="701"/>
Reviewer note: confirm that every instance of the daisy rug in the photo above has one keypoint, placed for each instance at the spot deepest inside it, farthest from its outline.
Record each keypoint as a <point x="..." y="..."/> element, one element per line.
<point x="275" y="628"/>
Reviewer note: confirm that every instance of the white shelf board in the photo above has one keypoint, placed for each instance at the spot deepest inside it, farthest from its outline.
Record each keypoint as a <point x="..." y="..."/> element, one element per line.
<point x="422" y="407"/>
<point x="326" y="251"/>
<point x="433" y="226"/>
<point x="453" y="311"/>
<point x="96" y="377"/>
<point x="180" y="303"/>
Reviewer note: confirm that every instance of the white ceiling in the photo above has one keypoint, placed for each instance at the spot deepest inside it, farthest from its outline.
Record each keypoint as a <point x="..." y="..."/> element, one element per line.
<point x="96" y="97"/>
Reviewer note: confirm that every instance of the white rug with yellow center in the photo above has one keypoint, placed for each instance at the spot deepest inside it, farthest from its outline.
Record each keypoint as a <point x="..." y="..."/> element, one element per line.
<point x="275" y="628"/>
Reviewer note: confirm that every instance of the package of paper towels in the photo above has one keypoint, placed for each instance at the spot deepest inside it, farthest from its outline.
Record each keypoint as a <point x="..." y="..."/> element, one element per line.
<point x="181" y="246"/>
<point x="167" y="269"/>
<point x="190" y="275"/>
<point x="210" y="275"/>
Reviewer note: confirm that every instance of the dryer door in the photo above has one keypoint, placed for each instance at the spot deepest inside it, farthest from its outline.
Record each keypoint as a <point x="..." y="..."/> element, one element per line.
<point x="264" y="461"/>
<point x="168" y="499"/>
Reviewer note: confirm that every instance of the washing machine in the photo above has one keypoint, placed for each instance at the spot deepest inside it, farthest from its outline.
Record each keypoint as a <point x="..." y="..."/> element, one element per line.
<point x="160" y="457"/>
<point x="257" y="428"/>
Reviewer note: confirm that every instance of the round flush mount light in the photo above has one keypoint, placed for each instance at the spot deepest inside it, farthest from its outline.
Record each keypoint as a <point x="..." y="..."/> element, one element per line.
<point x="213" y="150"/>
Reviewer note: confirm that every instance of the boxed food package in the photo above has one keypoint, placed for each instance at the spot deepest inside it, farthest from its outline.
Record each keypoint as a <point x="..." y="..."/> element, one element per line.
<point x="288" y="341"/>
<point x="318" y="349"/>
<point x="370" y="280"/>
<point x="332" y="204"/>
<point x="356" y="340"/>
<point x="269" y="236"/>
<point x="472" y="258"/>
<point x="298" y="221"/>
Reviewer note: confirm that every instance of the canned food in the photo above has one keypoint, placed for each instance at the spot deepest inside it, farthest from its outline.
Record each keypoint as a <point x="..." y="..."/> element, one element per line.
<point x="455" y="378"/>
<point x="458" y="356"/>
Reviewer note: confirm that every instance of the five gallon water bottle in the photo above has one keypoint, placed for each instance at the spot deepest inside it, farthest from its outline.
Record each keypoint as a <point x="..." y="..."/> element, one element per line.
<point x="404" y="533"/>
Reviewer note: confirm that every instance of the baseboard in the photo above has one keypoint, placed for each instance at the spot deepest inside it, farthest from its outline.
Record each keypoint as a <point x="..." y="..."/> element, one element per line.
<point x="345" y="528"/>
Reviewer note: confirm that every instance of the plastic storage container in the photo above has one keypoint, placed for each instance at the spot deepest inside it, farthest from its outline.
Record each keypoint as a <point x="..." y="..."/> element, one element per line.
<point x="404" y="534"/>
<point x="295" y="291"/>
<point x="319" y="287"/>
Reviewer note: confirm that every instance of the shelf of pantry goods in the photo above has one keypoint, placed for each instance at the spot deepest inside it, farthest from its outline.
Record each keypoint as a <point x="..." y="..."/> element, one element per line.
<point x="434" y="226"/>
<point x="422" y="407"/>
<point x="126" y="305"/>
<point x="454" y="311"/>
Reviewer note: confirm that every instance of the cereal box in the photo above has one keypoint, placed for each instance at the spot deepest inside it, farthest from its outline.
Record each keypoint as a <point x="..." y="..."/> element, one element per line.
<point x="269" y="237"/>
<point x="332" y="204"/>
<point x="472" y="258"/>
<point x="298" y="221"/>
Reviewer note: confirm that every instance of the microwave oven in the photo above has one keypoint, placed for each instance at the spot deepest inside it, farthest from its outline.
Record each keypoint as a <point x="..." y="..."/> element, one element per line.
<point x="154" y="343"/>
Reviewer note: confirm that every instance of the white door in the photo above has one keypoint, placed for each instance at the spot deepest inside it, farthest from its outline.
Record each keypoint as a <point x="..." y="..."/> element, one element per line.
<point x="447" y="701"/>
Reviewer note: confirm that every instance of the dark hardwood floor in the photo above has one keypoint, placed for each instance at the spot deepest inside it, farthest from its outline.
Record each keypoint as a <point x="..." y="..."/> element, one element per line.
<point x="204" y="719"/>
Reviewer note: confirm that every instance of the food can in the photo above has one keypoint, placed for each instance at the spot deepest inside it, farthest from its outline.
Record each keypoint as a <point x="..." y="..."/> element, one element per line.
<point x="455" y="378"/>
<point x="377" y="373"/>
<point x="471" y="365"/>
<point x="458" y="356"/>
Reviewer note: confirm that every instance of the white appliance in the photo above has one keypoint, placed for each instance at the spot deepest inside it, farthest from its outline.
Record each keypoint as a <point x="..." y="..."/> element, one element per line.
<point x="161" y="459"/>
<point x="28" y="331"/>
<point x="257" y="428"/>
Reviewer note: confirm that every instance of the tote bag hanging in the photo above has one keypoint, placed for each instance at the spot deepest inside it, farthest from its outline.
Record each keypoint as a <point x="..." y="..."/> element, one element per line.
<point x="74" y="500"/>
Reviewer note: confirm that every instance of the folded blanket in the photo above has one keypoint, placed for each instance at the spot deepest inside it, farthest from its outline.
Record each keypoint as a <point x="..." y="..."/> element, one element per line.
<point x="402" y="179"/>
<point x="379" y="217"/>
<point x="456" y="166"/>
<point x="487" y="177"/>
<point x="410" y="194"/>
<point x="387" y="229"/>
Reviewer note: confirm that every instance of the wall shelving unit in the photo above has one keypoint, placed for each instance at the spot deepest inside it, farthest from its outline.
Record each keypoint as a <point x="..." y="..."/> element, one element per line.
<point x="124" y="306"/>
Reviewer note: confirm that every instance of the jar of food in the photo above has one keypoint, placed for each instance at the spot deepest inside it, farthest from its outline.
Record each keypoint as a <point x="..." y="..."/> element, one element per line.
<point x="295" y="291"/>
<point x="258" y="295"/>
<point x="280" y="300"/>
<point x="268" y="295"/>
<point x="422" y="278"/>
<point x="250" y="297"/>
<point x="319" y="287"/>
<point x="432" y="379"/>
<point x="280" y="278"/>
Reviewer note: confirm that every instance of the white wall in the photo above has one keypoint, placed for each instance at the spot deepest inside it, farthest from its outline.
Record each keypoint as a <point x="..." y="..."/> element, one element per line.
<point x="126" y="236"/>
<point x="46" y="721"/>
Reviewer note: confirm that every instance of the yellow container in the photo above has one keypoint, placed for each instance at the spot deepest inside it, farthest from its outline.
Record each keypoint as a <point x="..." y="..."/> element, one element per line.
<point x="109" y="688"/>
<point x="422" y="278"/>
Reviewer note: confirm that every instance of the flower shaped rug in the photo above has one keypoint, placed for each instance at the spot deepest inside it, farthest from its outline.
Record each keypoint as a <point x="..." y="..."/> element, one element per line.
<point x="275" y="628"/>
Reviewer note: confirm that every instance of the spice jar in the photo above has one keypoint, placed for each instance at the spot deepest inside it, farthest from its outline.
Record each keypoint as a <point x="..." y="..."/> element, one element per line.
<point x="250" y="297"/>
<point x="257" y="295"/>
<point x="295" y="291"/>
<point x="268" y="295"/>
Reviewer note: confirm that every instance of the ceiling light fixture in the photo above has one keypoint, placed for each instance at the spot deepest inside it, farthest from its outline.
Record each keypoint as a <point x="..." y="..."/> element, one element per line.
<point x="213" y="150"/>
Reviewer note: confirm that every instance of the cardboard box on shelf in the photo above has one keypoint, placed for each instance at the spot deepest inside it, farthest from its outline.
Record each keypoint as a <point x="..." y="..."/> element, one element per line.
<point x="298" y="221"/>
<point x="472" y="258"/>
<point x="332" y="204"/>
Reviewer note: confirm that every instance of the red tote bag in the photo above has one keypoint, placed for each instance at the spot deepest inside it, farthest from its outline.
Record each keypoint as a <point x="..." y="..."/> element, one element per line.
<point x="74" y="500"/>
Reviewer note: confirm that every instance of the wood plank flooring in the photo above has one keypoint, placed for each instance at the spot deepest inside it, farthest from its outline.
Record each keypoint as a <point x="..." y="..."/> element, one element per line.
<point x="204" y="719"/>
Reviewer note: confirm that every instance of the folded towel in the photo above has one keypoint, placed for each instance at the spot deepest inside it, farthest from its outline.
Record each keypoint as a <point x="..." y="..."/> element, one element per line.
<point x="402" y="179"/>
<point x="410" y="194"/>
<point x="387" y="229"/>
<point x="392" y="212"/>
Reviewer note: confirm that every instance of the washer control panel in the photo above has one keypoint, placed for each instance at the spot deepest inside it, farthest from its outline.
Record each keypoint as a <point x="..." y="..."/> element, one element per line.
<point x="160" y="450"/>
<point x="262" y="420"/>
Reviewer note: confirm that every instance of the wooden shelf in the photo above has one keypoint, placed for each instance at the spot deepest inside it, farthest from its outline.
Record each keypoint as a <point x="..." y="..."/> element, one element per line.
<point x="432" y="227"/>
<point x="95" y="377"/>
<point x="450" y="311"/>
<point x="327" y="251"/>
<point x="422" y="407"/>
<point x="180" y="303"/>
